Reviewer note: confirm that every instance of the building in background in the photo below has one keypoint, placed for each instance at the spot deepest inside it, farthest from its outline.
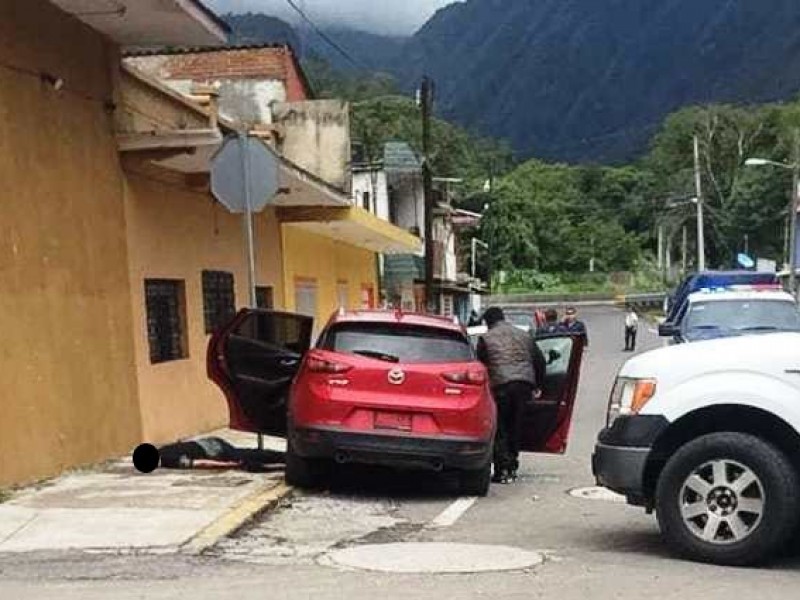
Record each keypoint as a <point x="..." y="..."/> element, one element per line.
<point x="117" y="262"/>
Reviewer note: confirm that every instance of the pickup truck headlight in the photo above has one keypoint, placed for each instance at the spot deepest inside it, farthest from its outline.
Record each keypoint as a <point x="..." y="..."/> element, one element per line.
<point x="629" y="396"/>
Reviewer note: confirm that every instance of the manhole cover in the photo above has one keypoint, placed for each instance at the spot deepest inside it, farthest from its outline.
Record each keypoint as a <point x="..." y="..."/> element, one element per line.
<point x="596" y="493"/>
<point x="434" y="558"/>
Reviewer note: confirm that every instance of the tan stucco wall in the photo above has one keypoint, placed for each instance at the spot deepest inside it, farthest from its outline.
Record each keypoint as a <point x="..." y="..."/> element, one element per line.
<point x="176" y="233"/>
<point x="328" y="263"/>
<point x="67" y="358"/>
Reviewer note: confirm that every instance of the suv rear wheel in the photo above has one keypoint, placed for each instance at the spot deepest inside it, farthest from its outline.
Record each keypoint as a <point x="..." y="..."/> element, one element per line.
<point x="476" y="482"/>
<point x="303" y="472"/>
<point x="728" y="499"/>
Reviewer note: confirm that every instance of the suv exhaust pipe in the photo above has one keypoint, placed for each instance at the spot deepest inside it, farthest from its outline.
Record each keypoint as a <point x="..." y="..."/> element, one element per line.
<point x="341" y="458"/>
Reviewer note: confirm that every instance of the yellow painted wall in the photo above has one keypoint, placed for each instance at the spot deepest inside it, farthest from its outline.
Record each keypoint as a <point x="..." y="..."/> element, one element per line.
<point x="67" y="358"/>
<point x="310" y="256"/>
<point x="176" y="233"/>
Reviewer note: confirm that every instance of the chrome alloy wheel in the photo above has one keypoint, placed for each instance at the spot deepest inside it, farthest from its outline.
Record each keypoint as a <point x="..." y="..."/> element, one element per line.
<point x="722" y="502"/>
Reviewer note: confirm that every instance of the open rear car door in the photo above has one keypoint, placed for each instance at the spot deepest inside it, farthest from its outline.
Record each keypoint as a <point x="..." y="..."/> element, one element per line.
<point x="547" y="420"/>
<point x="254" y="359"/>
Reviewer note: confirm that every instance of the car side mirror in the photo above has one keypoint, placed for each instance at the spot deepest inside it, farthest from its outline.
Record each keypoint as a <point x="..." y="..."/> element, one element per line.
<point x="667" y="330"/>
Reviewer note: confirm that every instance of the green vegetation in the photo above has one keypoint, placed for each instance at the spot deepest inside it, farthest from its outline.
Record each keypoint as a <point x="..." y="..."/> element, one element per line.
<point x="548" y="223"/>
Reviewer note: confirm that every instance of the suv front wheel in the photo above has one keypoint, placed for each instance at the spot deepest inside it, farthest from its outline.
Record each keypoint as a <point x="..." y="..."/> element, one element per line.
<point x="728" y="499"/>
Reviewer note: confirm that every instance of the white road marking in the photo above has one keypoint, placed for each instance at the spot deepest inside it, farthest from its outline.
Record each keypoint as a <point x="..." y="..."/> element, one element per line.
<point x="454" y="512"/>
<point x="654" y="331"/>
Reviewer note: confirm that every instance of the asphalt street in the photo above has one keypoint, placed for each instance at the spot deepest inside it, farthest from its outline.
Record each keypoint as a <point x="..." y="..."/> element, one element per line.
<point x="597" y="548"/>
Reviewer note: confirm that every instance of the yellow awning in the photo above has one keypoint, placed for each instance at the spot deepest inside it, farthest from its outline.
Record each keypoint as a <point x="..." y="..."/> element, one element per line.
<point x="352" y="225"/>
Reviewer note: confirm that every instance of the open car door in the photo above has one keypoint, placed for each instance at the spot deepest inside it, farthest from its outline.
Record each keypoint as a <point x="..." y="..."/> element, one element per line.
<point x="547" y="420"/>
<point x="254" y="359"/>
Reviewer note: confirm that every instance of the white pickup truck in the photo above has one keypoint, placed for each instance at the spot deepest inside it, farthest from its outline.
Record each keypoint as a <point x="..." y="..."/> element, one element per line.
<point x="707" y="435"/>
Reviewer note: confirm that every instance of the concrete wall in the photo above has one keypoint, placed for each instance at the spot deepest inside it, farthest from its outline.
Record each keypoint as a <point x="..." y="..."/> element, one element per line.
<point x="373" y="182"/>
<point x="407" y="197"/>
<point x="316" y="136"/>
<point x="176" y="233"/>
<point x="67" y="359"/>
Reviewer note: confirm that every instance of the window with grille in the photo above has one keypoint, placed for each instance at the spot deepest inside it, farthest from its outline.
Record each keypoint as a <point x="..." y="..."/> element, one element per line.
<point x="219" y="300"/>
<point x="265" y="297"/>
<point x="305" y="297"/>
<point x="166" y="319"/>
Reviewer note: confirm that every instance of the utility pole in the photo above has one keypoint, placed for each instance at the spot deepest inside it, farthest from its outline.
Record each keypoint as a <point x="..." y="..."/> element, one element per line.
<point x="661" y="250"/>
<point x="701" y="240"/>
<point x="426" y="101"/>
<point x="684" y="250"/>
<point x="795" y="206"/>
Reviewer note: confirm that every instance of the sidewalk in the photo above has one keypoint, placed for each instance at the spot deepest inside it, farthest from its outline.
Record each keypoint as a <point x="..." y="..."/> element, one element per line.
<point x="115" y="507"/>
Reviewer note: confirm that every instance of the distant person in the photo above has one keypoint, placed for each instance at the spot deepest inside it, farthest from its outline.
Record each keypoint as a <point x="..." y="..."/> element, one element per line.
<point x="474" y="319"/>
<point x="631" y="329"/>
<point x="516" y="368"/>
<point x="550" y="324"/>
<point x="573" y="325"/>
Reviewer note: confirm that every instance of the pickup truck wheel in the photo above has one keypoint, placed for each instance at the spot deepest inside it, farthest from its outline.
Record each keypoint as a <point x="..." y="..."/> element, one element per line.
<point x="728" y="499"/>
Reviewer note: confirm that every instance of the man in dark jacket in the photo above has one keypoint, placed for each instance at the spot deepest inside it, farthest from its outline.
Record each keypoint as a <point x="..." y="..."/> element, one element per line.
<point x="516" y="371"/>
<point x="573" y="325"/>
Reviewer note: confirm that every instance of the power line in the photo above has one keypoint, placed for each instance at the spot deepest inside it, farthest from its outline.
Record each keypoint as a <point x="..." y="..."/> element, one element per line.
<point x="325" y="37"/>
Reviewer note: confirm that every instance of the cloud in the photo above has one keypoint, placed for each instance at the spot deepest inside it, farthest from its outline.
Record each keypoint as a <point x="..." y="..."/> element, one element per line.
<point x="379" y="16"/>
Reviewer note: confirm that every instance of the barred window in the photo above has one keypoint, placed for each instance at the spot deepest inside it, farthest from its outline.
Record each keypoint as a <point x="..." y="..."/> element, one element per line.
<point x="219" y="301"/>
<point x="265" y="297"/>
<point x="166" y="319"/>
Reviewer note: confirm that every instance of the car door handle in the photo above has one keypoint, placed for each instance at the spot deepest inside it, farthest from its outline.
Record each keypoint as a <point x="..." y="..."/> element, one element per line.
<point x="793" y="371"/>
<point x="289" y="362"/>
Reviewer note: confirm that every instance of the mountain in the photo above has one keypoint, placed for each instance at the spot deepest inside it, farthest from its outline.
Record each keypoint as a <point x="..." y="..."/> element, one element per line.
<point x="359" y="51"/>
<point x="576" y="80"/>
<point x="252" y="28"/>
<point x="591" y="80"/>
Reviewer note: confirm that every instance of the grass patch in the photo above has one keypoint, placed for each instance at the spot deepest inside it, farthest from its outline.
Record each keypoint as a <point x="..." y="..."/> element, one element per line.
<point x="5" y="495"/>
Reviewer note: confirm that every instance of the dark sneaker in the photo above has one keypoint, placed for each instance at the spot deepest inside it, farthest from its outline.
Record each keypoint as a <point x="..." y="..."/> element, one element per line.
<point x="501" y="477"/>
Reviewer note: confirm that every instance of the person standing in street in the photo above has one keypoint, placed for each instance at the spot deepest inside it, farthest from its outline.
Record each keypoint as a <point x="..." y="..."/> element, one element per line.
<point x="573" y="325"/>
<point x="516" y="368"/>
<point x="631" y="329"/>
<point x="550" y="324"/>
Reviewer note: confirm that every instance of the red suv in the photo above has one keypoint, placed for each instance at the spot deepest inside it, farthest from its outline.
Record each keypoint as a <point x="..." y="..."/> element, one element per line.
<point x="379" y="387"/>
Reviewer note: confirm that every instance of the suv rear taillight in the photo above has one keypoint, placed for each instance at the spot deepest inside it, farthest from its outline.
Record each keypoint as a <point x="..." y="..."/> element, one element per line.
<point x="470" y="377"/>
<point x="319" y="365"/>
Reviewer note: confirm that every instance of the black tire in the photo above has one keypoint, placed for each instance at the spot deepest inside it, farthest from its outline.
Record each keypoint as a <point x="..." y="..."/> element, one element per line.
<point x="305" y="473"/>
<point x="776" y="488"/>
<point x="476" y="482"/>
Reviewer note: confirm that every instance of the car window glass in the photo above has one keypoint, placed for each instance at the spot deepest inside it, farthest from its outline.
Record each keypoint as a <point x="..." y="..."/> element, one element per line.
<point x="398" y="343"/>
<point x="557" y="352"/>
<point x="744" y="315"/>
<point x="281" y="332"/>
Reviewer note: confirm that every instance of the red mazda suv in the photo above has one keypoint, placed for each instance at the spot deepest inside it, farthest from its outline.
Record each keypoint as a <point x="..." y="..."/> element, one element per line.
<point x="379" y="387"/>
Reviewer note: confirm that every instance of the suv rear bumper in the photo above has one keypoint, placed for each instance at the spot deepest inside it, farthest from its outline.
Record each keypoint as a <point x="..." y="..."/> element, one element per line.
<point x="622" y="451"/>
<point x="431" y="453"/>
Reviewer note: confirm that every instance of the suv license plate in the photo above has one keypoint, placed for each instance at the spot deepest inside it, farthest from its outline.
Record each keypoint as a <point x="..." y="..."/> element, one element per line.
<point x="398" y="421"/>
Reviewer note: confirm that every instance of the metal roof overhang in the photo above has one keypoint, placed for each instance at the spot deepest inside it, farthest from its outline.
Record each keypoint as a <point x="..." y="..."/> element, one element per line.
<point x="352" y="225"/>
<point x="142" y="24"/>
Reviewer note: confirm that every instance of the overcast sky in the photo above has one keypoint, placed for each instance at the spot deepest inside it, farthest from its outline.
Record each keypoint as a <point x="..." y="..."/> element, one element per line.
<point x="380" y="16"/>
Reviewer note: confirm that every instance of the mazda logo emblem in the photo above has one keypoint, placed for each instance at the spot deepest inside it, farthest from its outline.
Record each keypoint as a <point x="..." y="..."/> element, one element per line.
<point x="396" y="377"/>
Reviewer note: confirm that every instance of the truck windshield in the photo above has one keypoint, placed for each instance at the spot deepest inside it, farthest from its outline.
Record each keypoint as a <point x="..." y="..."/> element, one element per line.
<point x="733" y="317"/>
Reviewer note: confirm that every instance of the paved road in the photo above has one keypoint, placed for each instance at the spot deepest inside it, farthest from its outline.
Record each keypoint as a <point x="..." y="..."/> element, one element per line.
<point x="593" y="548"/>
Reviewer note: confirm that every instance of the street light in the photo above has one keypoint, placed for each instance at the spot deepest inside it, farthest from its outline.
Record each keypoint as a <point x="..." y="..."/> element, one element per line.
<point x="794" y="206"/>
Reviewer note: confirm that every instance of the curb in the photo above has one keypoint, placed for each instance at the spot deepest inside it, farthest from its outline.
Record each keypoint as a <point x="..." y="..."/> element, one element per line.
<point x="237" y="517"/>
